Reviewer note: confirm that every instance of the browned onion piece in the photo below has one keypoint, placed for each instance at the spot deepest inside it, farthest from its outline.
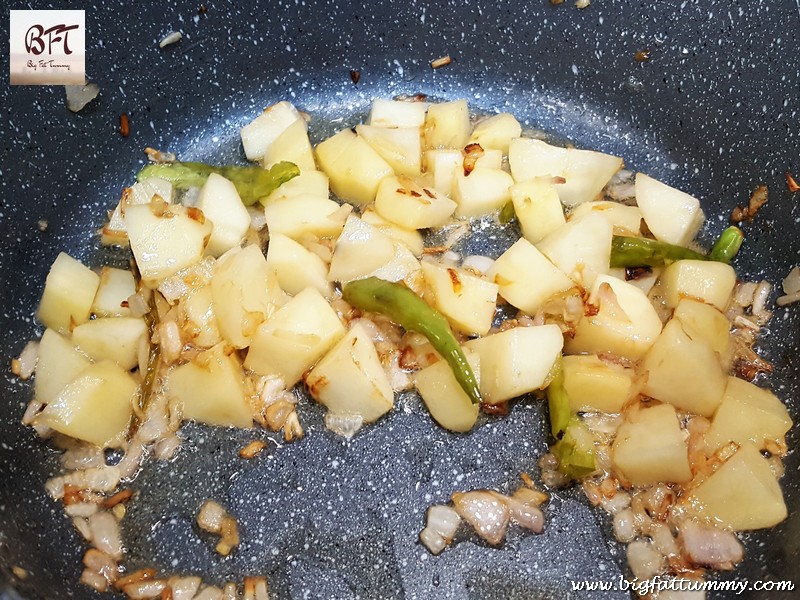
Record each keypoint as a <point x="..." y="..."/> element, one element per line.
<point x="487" y="514"/>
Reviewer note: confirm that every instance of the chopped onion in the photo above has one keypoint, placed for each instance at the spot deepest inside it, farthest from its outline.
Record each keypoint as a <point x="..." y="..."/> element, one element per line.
<point x="171" y="38"/>
<point x="144" y="590"/>
<point x="443" y="520"/>
<point x="230" y="591"/>
<point x="101" y="563"/>
<point x="81" y="509"/>
<point x="743" y="295"/>
<point x="98" y="479"/>
<point x="760" y="298"/>
<point x="79" y="96"/>
<point x="477" y="263"/>
<point x="25" y="365"/>
<point x="209" y="593"/>
<point x="525" y="515"/>
<point x="166" y="448"/>
<point x="788" y="299"/>
<point x="83" y="456"/>
<point x="431" y="539"/>
<point x="791" y="283"/>
<point x="487" y="514"/>
<point x="663" y="540"/>
<point x="345" y="425"/>
<point x="31" y="412"/>
<point x="258" y="218"/>
<point x="94" y="580"/>
<point x="138" y="304"/>
<point x="644" y="561"/>
<point x="105" y="533"/>
<point x="708" y="546"/>
<point x="211" y="516"/>
<point x="624" y="526"/>
<point x="184" y="588"/>
<point x="82" y="525"/>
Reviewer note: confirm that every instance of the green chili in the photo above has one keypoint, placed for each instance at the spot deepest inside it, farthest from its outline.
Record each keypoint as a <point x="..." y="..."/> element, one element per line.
<point x="558" y="401"/>
<point x="727" y="245"/>
<point x="643" y="252"/>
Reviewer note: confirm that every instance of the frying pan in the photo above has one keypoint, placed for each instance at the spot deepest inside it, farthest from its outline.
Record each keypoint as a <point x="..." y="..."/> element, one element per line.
<point x="713" y="112"/>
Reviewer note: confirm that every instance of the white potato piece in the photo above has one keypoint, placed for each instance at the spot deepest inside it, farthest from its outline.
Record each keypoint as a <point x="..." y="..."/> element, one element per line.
<point x="743" y="494"/>
<point x="747" y="413"/>
<point x="684" y="372"/>
<point x="141" y="192"/>
<point x="353" y="168"/>
<point x="412" y="205"/>
<point x="349" y="379"/>
<point x="295" y="267"/>
<point x="360" y="250"/>
<point x="400" y="147"/>
<point x="447" y="125"/>
<point x="295" y="337"/>
<point x="165" y="239"/>
<point x="299" y="216"/>
<point x="443" y="166"/>
<point x="292" y="146"/>
<point x="397" y="113"/>
<point x="581" y="248"/>
<point x="95" y="407"/>
<point x="221" y="204"/>
<point x="244" y="294"/>
<point x="705" y="280"/>
<point x="593" y="384"/>
<point x="210" y="389"/>
<point x="308" y="183"/>
<point x="496" y="131"/>
<point x="113" y="338"/>
<point x="403" y="266"/>
<point x="259" y="134"/>
<point x="626" y="220"/>
<point x="69" y="292"/>
<point x="490" y="159"/>
<point x="538" y="208"/>
<point x="586" y="172"/>
<point x="671" y="215"/>
<point x="526" y="277"/>
<point x="467" y="301"/>
<point x="59" y="363"/>
<point x="645" y="281"/>
<point x="481" y="192"/>
<point x="199" y="322"/>
<point x="516" y="361"/>
<point x="448" y="403"/>
<point x="111" y="299"/>
<point x="410" y="238"/>
<point x="703" y="321"/>
<point x="626" y="324"/>
<point x="650" y="447"/>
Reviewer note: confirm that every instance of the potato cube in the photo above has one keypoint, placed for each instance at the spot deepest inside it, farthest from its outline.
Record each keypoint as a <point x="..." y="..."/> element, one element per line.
<point x="221" y="205"/>
<point x="447" y="125"/>
<point x="412" y="205"/>
<point x="581" y="248"/>
<point x="526" y="278"/>
<point x="443" y="166"/>
<point x="496" y="132"/>
<point x="349" y="380"/>
<point x="116" y="286"/>
<point x="259" y="134"/>
<point x="295" y="267"/>
<point x="444" y="397"/>
<point x="403" y="266"/>
<point x="113" y="338"/>
<point x="211" y="389"/>
<point x="292" y="146"/>
<point x="305" y="215"/>
<point x="597" y="385"/>
<point x="516" y="361"/>
<point x="747" y="413"/>
<point x="490" y="159"/>
<point x="743" y="494"/>
<point x="69" y="291"/>
<point x="397" y="113"/>
<point x="467" y="301"/>
<point x="705" y="280"/>
<point x="538" y="208"/>
<point x="671" y="215"/>
<point x="410" y="238"/>
<point x="295" y="337"/>
<point x="684" y="372"/>
<point x="703" y="321"/>
<point x="199" y="322"/>
<point x="141" y="192"/>
<point x="400" y="147"/>
<point x="360" y="250"/>
<point x="650" y="447"/>
<point x="59" y="363"/>
<point x="353" y="168"/>
<point x="308" y="183"/>
<point x="481" y="192"/>
<point x="95" y="407"/>
<point x="626" y="220"/>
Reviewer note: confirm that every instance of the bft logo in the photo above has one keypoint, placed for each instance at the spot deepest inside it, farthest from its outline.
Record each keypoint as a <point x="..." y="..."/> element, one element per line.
<point x="48" y="47"/>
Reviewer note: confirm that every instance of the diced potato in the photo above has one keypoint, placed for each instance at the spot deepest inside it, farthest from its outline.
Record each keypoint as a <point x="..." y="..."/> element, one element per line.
<point x="141" y="192"/>
<point x="490" y="159"/>
<point x="244" y="293"/>
<point x="403" y="266"/>
<point x="199" y="318"/>
<point x="626" y="324"/>
<point x="410" y="238"/>
<point x="353" y="168"/>
<point x="645" y="281"/>
<point x="526" y="278"/>
<point x="350" y="380"/>
<point x="292" y="146"/>
<point x="743" y="494"/>
<point x="516" y="361"/>
<point x="586" y="172"/>
<point x="221" y="205"/>
<point x="538" y="208"/>
<point x="295" y="267"/>
<point x="302" y="215"/>
<point x="705" y="280"/>
<point x="360" y="250"/>
<point x="703" y="321"/>
<point x="747" y="413"/>
<point x="68" y="294"/>
<point x="295" y="337"/>
<point x="400" y="147"/>
<point x="683" y="371"/>
<point x="467" y="301"/>
<point x="443" y="166"/>
<point x="596" y="385"/>
<point x="95" y="407"/>
<point x="650" y="447"/>
<point x="308" y="183"/>
<point x="444" y="397"/>
<point x="165" y="239"/>
<point x="496" y="132"/>
<point x="397" y="113"/>
<point x="59" y="363"/>
<point x="671" y="215"/>
<point x="447" y="125"/>
<point x="626" y="220"/>
<point x="259" y="134"/>
<point x="412" y="205"/>
<point x="211" y="389"/>
<point x="113" y="338"/>
<point x="481" y="192"/>
<point x="116" y="286"/>
<point x="581" y="248"/>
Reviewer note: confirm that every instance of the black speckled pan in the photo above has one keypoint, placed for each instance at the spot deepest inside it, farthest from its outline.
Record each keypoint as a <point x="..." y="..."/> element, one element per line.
<point x="714" y="112"/>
